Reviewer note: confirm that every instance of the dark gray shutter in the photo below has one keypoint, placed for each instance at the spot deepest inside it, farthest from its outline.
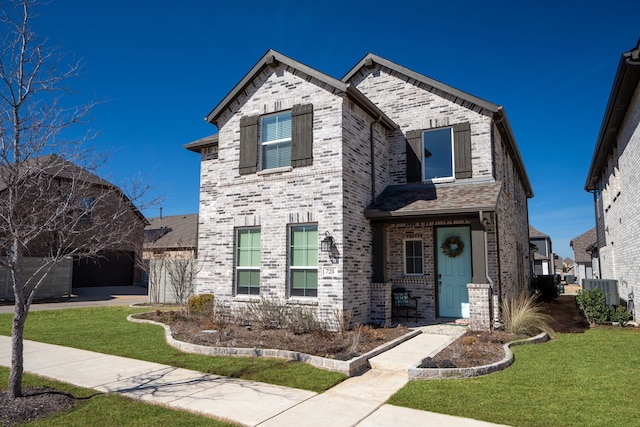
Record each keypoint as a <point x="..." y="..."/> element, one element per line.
<point x="248" y="145"/>
<point x="302" y="135"/>
<point x="462" y="150"/>
<point x="414" y="156"/>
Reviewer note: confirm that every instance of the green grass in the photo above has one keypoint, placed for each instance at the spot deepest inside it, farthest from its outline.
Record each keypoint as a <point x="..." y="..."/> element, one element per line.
<point x="110" y="409"/>
<point x="106" y="330"/>
<point x="589" y="379"/>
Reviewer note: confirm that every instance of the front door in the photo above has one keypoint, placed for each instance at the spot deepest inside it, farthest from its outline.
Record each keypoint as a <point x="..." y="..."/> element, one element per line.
<point x="454" y="271"/>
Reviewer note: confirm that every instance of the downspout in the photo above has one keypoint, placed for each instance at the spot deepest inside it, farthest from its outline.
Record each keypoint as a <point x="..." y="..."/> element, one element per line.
<point x="373" y="159"/>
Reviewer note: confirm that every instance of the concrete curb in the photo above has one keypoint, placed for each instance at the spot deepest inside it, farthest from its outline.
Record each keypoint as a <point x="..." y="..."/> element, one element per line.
<point x="351" y="367"/>
<point x="476" y="371"/>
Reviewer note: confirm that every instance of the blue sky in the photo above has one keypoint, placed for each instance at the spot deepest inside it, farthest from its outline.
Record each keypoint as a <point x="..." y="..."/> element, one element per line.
<point x="160" y="66"/>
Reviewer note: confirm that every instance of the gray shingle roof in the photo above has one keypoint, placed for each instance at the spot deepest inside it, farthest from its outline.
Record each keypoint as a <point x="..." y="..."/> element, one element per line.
<point x="176" y="231"/>
<point x="427" y="199"/>
<point x="535" y="233"/>
<point x="581" y="243"/>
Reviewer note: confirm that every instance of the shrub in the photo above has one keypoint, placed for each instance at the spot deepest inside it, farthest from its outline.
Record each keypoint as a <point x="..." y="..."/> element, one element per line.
<point x="302" y="320"/>
<point x="593" y="305"/>
<point x="547" y="286"/>
<point x="201" y="305"/>
<point x="620" y="315"/>
<point x="522" y="315"/>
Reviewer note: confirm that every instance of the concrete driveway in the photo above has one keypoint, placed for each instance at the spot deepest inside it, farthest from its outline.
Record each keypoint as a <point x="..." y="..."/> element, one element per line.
<point x="92" y="297"/>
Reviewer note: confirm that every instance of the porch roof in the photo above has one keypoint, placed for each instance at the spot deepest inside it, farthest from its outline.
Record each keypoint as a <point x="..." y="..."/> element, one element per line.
<point x="415" y="200"/>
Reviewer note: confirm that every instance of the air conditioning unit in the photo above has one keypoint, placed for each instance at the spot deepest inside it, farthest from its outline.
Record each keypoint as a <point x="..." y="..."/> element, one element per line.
<point x="608" y="286"/>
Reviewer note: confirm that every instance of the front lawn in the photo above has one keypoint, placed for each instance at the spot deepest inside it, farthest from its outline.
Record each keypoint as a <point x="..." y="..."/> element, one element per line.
<point x="106" y="330"/>
<point x="588" y="379"/>
<point x="97" y="409"/>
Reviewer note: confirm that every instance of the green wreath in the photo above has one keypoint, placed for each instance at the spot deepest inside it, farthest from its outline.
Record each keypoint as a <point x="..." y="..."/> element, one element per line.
<point x="452" y="246"/>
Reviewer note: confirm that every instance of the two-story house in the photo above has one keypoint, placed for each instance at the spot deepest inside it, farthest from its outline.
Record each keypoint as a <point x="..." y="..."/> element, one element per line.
<point x="543" y="256"/>
<point x="330" y="193"/>
<point x="613" y="179"/>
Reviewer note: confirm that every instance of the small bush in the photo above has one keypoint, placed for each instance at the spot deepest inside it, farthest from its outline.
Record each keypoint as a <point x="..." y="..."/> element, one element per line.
<point x="522" y="315"/>
<point x="302" y="320"/>
<point x="427" y="363"/>
<point x="620" y="315"/>
<point x="593" y="305"/>
<point x="201" y="305"/>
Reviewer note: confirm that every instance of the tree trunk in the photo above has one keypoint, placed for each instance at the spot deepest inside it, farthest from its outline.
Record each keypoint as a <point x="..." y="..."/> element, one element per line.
<point x="17" y="346"/>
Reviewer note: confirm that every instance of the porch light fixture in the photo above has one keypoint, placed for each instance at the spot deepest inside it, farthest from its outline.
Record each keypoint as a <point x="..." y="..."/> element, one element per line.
<point x="326" y="245"/>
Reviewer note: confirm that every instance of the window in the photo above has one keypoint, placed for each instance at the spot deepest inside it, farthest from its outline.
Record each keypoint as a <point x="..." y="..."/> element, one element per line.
<point x="413" y="264"/>
<point x="439" y="155"/>
<point x="285" y="139"/>
<point x="85" y="206"/>
<point x="437" y="148"/>
<point x="303" y="260"/>
<point x="275" y="141"/>
<point x="248" y="261"/>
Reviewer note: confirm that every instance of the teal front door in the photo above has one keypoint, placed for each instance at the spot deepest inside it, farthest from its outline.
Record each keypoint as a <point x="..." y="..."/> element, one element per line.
<point x="454" y="271"/>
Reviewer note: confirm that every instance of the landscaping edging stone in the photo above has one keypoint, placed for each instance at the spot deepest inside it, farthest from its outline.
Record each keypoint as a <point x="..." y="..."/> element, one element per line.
<point x="445" y="373"/>
<point x="351" y="367"/>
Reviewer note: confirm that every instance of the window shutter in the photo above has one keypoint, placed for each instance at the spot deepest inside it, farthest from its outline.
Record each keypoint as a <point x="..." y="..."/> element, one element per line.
<point x="248" y="145"/>
<point x="414" y="156"/>
<point x="462" y="150"/>
<point x="302" y="135"/>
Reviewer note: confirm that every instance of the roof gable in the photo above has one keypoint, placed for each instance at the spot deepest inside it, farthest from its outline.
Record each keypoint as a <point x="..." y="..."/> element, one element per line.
<point x="370" y="59"/>
<point x="273" y="59"/>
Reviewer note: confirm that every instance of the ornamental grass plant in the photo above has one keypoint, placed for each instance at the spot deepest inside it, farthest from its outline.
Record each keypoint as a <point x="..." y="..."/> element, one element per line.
<point x="523" y="315"/>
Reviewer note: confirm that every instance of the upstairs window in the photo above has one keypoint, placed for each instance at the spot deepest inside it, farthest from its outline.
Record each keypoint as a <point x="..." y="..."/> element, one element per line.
<point x="275" y="141"/>
<point x="437" y="146"/>
<point x="439" y="155"/>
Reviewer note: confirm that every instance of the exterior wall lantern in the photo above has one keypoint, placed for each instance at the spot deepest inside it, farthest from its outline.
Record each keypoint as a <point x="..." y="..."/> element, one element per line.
<point x="326" y="245"/>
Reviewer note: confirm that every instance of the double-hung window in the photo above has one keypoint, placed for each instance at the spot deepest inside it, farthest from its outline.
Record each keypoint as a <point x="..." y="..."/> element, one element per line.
<point x="275" y="140"/>
<point x="248" y="261"/>
<point x="437" y="148"/>
<point x="413" y="263"/>
<point x="303" y="260"/>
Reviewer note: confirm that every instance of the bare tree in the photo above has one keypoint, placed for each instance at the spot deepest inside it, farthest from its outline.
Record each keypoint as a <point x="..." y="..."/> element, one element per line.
<point x="182" y="273"/>
<point x="52" y="203"/>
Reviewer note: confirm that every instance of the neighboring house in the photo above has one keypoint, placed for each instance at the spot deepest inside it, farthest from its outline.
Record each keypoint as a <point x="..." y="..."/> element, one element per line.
<point x="170" y="251"/>
<point x="614" y="180"/>
<point x="585" y="253"/>
<point x="329" y="193"/>
<point x="99" y="199"/>
<point x="543" y="257"/>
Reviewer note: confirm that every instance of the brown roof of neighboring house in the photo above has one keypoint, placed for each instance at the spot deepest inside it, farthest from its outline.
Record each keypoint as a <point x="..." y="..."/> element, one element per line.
<point x="581" y="243"/>
<point x="427" y="199"/>
<point x="176" y="231"/>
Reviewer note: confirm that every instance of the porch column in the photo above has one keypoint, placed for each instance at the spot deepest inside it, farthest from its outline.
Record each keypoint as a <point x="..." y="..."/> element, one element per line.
<point x="379" y="253"/>
<point x="479" y="306"/>
<point x="478" y="254"/>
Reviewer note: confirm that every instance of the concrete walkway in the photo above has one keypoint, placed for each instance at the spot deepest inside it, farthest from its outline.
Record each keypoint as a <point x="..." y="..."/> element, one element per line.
<point x="358" y="401"/>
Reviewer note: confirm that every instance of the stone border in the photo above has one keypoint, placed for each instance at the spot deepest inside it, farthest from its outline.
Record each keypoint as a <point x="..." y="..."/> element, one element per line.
<point x="351" y="367"/>
<point x="445" y="373"/>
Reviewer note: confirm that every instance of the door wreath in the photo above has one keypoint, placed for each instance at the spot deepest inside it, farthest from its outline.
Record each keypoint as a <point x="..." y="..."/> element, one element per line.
<point x="452" y="246"/>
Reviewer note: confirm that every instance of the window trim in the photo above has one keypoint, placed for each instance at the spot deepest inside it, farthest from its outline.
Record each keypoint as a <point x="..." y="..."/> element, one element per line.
<point x="450" y="178"/>
<point x="405" y="257"/>
<point x="237" y="268"/>
<point x="292" y="268"/>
